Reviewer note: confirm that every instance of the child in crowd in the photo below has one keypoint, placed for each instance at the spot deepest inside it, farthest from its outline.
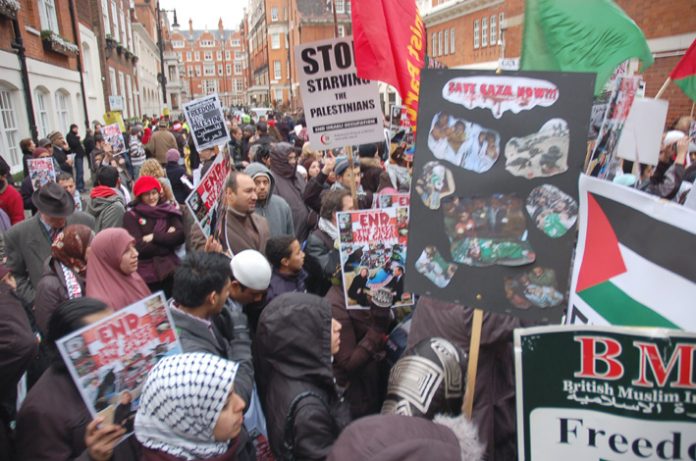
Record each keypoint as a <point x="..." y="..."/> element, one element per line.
<point x="287" y="258"/>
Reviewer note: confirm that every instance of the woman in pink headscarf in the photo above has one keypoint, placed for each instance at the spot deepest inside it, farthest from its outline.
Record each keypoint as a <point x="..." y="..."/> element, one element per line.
<point x="112" y="269"/>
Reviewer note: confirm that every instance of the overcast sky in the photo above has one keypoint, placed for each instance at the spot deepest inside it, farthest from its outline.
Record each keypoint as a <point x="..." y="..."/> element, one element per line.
<point x="207" y="12"/>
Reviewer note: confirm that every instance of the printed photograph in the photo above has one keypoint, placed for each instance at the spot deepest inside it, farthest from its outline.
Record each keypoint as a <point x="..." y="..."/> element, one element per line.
<point x="484" y="231"/>
<point x="536" y="287"/>
<point x="553" y="211"/>
<point x="432" y="265"/>
<point x="541" y="154"/>
<point x="463" y="143"/>
<point x="434" y="184"/>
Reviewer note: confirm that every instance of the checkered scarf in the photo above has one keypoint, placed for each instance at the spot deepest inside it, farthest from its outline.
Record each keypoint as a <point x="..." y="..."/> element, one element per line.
<point x="181" y="401"/>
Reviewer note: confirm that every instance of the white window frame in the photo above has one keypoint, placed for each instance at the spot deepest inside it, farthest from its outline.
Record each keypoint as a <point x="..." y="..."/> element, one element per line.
<point x="42" y="110"/>
<point x="341" y="30"/>
<point x="48" y="15"/>
<point x="189" y="55"/>
<point x="476" y="34"/>
<point x="340" y="6"/>
<point x="349" y="7"/>
<point x="122" y="23"/>
<point x="9" y="132"/>
<point x="484" y="32"/>
<point x="198" y="71"/>
<point x="446" y="42"/>
<point x="433" y="52"/>
<point x="439" y="43"/>
<point x="177" y="43"/>
<point x="218" y="55"/>
<point x="105" y="16"/>
<point x="236" y="43"/>
<point x="493" y="30"/>
<point x="275" y="41"/>
<point x="209" y="70"/>
<point x="196" y="55"/>
<point x="274" y="14"/>
<point x="276" y="93"/>
<point x="220" y="68"/>
<point x="208" y="43"/>
<point x="228" y="69"/>
<point x="114" y="21"/>
<point x="239" y="85"/>
<point x="208" y="56"/>
<point x="228" y="55"/>
<point x="452" y="41"/>
<point x="63" y="111"/>
<point x="277" y="70"/>
<point x="112" y="81"/>
<point x="237" y="68"/>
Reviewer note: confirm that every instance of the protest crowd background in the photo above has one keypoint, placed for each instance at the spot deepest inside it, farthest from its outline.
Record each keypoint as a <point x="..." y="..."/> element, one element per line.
<point x="287" y="321"/>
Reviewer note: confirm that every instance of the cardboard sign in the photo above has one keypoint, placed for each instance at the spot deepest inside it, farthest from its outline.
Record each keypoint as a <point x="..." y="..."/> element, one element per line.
<point x="206" y="122"/>
<point x="114" y="137"/>
<point x="494" y="196"/>
<point x="630" y="266"/>
<point x="605" y="393"/>
<point x="203" y="202"/>
<point x="116" y="103"/>
<point x="41" y="171"/>
<point x="109" y="360"/>
<point x="373" y="254"/>
<point x="115" y="117"/>
<point x="641" y="137"/>
<point x="340" y="108"/>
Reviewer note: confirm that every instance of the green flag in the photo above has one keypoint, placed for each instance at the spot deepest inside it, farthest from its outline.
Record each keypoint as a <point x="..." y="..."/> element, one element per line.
<point x="580" y="36"/>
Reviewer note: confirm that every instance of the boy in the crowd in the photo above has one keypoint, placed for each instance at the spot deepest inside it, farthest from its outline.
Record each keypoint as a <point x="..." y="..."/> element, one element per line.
<point x="287" y="258"/>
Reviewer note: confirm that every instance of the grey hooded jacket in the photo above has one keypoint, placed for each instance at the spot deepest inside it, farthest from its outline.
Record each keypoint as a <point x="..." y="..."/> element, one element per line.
<point x="275" y="208"/>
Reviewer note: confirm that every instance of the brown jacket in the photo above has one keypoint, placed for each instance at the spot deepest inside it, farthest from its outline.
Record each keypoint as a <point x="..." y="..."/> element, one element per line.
<point x="161" y="141"/>
<point x="494" y="398"/>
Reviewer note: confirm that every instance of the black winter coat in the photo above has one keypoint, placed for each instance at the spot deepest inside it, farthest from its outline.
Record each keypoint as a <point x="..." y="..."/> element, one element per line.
<point x="293" y="355"/>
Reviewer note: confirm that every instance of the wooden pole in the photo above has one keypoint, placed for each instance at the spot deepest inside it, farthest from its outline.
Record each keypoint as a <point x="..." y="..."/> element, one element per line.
<point x="335" y="18"/>
<point x="351" y="178"/>
<point x="663" y="88"/>
<point x="474" y="347"/>
<point x="693" y="104"/>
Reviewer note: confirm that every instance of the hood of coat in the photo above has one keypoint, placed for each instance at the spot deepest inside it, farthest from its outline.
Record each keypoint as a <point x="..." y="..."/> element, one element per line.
<point x="408" y="438"/>
<point x="254" y="169"/>
<point x="279" y="160"/>
<point x="99" y="204"/>
<point x="293" y="339"/>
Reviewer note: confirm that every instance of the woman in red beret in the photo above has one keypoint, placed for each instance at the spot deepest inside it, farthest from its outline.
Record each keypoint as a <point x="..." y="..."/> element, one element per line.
<point x="158" y="229"/>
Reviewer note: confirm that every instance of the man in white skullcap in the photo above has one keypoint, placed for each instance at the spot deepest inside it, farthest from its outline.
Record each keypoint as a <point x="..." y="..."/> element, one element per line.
<point x="251" y="275"/>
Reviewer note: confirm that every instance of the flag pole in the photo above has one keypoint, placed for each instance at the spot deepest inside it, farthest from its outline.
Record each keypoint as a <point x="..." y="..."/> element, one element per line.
<point x="663" y="88"/>
<point x="472" y="368"/>
<point x="335" y="18"/>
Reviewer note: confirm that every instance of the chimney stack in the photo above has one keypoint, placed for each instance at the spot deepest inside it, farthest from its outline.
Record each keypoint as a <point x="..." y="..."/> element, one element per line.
<point x="191" y="26"/>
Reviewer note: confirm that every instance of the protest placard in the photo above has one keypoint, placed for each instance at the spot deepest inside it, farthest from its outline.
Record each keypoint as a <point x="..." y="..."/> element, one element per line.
<point x="494" y="195"/>
<point x="114" y="137"/>
<point x="109" y="360"/>
<point x="203" y="201"/>
<point x="605" y="393"/>
<point x="373" y="254"/>
<point x="340" y="108"/>
<point x="115" y="117"/>
<point x="641" y="136"/>
<point x="41" y="171"/>
<point x="622" y="276"/>
<point x="206" y="122"/>
<point x="384" y="200"/>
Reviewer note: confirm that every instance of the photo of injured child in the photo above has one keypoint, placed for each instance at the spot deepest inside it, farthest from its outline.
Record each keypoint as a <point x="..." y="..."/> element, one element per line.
<point x="541" y="154"/>
<point x="536" y="287"/>
<point x="462" y="143"/>
<point x="553" y="211"/>
<point x="484" y="231"/>
<point x="435" y="183"/>
<point x="434" y="267"/>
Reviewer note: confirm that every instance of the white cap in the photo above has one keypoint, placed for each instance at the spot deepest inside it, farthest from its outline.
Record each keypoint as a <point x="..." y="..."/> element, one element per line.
<point x="251" y="269"/>
<point x="672" y="136"/>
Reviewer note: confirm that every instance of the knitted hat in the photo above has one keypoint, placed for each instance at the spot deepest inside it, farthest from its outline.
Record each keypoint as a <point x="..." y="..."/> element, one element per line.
<point x="146" y="184"/>
<point x="55" y="136"/>
<point x="251" y="269"/>
<point x="173" y="155"/>
<point x="342" y="165"/>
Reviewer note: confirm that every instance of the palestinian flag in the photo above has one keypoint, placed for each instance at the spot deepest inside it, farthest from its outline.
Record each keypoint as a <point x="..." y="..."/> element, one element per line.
<point x="634" y="263"/>
<point x="684" y="74"/>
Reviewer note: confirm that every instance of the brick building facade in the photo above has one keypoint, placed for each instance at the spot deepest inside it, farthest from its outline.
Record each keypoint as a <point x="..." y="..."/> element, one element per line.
<point x="213" y="61"/>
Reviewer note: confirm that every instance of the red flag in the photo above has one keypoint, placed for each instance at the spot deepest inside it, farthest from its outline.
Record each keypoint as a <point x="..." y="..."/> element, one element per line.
<point x="684" y="74"/>
<point x="389" y="39"/>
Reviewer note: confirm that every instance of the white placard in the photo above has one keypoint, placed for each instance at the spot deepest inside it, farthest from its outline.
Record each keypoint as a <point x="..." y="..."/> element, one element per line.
<point x="642" y="133"/>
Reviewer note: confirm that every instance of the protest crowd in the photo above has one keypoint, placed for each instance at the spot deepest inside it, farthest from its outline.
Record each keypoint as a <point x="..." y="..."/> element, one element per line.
<point x="280" y="355"/>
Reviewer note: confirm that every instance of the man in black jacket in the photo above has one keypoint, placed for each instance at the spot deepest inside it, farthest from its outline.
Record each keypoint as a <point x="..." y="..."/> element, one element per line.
<point x="76" y="148"/>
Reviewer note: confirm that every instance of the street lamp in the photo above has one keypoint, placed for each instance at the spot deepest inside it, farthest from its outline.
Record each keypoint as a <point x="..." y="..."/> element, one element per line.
<point x="162" y="78"/>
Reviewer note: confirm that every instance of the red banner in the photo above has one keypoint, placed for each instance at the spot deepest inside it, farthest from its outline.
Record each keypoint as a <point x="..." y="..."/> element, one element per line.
<point x="390" y="40"/>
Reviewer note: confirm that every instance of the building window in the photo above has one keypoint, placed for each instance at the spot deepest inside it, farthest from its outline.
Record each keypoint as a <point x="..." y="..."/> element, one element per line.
<point x="433" y="51"/>
<point x="122" y="22"/>
<point x="210" y="86"/>
<point x="227" y="55"/>
<point x="178" y="43"/>
<point x="188" y="56"/>
<point x="105" y="16"/>
<point x="197" y="56"/>
<point x="9" y="141"/>
<point x="209" y="69"/>
<point x="274" y="14"/>
<point x="47" y="11"/>
<point x="348" y="6"/>
<point x="484" y="32"/>
<point x="439" y="43"/>
<point x="114" y="19"/>
<point x="198" y="71"/>
<point x="278" y="95"/>
<point x="236" y="43"/>
<point x="228" y="69"/>
<point x="239" y="85"/>
<point x="275" y="41"/>
<point x="220" y="70"/>
<point x="340" y="6"/>
<point x="341" y="31"/>
<point x="180" y="56"/>
<point x="452" y="50"/>
<point x="218" y="55"/>
<point x="42" y="106"/>
<point x="207" y="43"/>
<point x="87" y="66"/>
<point x="476" y="34"/>
<point x="494" y="31"/>
<point x="237" y="68"/>
<point x="501" y="17"/>
<point x="446" y="42"/>
<point x="129" y="95"/>
<point x="190" y="71"/>
<point x="62" y="111"/>
<point x="112" y="81"/>
<point x="208" y="56"/>
<point x="277" y="71"/>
